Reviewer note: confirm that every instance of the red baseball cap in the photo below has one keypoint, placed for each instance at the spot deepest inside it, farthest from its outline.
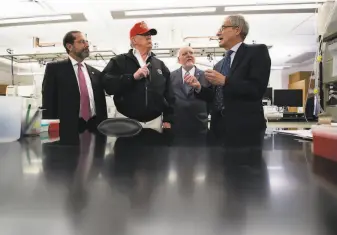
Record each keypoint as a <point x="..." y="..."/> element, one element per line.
<point x="141" y="28"/>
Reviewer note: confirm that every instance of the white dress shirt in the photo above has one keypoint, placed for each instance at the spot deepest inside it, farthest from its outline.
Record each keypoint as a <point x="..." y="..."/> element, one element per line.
<point x="137" y="54"/>
<point x="234" y="49"/>
<point x="88" y="82"/>
<point x="192" y="72"/>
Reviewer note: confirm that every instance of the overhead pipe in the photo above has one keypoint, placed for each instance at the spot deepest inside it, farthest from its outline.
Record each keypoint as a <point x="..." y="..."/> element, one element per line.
<point x="37" y="43"/>
<point x="201" y="37"/>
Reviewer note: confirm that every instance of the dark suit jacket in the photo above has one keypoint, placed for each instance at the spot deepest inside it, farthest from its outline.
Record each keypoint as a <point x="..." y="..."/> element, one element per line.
<point x="190" y="113"/>
<point x="61" y="96"/>
<point x="243" y="91"/>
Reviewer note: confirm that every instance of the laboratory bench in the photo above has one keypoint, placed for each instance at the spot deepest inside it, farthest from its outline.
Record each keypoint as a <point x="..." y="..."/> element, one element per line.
<point x="155" y="184"/>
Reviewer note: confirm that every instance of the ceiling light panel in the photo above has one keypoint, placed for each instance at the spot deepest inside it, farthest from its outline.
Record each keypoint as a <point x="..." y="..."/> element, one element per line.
<point x="35" y="19"/>
<point x="171" y="11"/>
<point x="46" y="19"/>
<point x="272" y="7"/>
<point x="257" y="8"/>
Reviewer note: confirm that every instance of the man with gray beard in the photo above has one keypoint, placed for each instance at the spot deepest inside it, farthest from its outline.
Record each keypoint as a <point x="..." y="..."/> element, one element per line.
<point x="72" y="91"/>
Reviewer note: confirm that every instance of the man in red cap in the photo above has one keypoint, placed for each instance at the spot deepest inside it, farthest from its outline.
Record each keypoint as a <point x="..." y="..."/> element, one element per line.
<point x="140" y="82"/>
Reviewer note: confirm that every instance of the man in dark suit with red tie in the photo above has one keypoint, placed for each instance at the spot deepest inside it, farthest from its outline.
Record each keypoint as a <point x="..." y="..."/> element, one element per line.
<point x="238" y="81"/>
<point x="72" y="91"/>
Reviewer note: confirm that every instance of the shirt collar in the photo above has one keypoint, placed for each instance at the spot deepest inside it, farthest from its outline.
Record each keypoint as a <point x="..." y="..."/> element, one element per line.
<point x="192" y="71"/>
<point x="73" y="61"/>
<point x="136" y="52"/>
<point x="236" y="47"/>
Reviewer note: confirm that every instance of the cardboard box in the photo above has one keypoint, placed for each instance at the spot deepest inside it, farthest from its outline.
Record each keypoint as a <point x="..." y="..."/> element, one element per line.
<point x="3" y="89"/>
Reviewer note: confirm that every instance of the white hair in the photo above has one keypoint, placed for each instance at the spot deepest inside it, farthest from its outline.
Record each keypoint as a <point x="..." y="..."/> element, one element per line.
<point x="183" y="47"/>
<point x="240" y="22"/>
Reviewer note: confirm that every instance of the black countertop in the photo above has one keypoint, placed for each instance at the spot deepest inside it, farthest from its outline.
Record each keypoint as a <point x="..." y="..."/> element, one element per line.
<point x="151" y="185"/>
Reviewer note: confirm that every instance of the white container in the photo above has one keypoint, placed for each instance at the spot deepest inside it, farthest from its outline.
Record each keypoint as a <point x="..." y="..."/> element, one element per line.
<point x="29" y="109"/>
<point x="10" y="118"/>
<point x="46" y="122"/>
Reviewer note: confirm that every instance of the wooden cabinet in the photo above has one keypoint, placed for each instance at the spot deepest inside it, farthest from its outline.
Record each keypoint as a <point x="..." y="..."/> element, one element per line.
<point x="300" y="80"/>
<point x="298" y="76"/>
<point x="3" y="89"/>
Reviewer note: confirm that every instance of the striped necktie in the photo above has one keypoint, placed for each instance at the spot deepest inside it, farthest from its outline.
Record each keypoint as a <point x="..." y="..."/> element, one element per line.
<point x="225" y="68"/>
<point x="186" y="86"/>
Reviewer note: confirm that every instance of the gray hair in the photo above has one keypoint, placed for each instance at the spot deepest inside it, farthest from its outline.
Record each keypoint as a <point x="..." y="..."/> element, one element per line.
<point x="183" y="47"/>
<point x="239" y="21"/>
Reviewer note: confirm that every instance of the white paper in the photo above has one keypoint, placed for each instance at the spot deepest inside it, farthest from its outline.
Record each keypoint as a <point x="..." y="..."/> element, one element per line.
<point x="307" y="134"/>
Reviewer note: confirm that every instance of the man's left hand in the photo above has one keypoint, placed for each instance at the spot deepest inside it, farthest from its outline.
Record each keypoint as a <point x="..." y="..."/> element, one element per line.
<point x="215" y="78"/>
<point x="166" y="125"/>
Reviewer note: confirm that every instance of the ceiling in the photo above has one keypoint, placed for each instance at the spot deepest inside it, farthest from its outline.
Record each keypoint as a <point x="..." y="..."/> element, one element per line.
<point x="289" y="34"/>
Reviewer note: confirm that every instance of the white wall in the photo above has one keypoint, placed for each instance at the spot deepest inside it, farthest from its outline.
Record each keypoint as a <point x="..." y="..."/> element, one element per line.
<point x="279" y="79"/>
<point x="6" y="75"/>
<point x="5" y="78"/>
<point x="309" y="66"/>
<point x="276" y="81"/>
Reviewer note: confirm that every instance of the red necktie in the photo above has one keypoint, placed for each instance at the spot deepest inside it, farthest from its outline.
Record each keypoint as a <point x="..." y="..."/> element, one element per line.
<point x="85" y="100"/>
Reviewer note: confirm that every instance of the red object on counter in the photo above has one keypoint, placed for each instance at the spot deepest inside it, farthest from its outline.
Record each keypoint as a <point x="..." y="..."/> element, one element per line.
<point x="325" y="142"/>
<point x="53" y="130"/>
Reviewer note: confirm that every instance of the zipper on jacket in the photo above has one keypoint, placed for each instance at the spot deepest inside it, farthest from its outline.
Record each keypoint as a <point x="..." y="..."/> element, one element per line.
<point x="146" y="101"/>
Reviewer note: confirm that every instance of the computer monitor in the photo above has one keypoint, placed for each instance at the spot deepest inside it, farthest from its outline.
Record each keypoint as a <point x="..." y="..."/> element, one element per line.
<point x="288" y="98"/>
<point x="268" y="94"/>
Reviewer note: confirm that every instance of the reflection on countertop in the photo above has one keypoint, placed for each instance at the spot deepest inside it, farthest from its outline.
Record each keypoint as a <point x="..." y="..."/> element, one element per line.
<point x="154" y="183"/>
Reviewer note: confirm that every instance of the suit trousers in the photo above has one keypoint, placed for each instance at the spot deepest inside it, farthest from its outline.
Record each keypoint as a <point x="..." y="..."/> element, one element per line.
<point x="89" y="125"/>
<point x="155" y="124"/>
<point x="230" y="133"/>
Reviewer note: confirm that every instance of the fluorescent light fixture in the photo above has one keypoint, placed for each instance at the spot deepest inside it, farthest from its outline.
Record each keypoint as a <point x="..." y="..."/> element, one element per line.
<point x="200" y="178"/>
<point x="172" y="177"/>
<point x="171" y="11"/>
<point x="279" y="67"/>
<point x="35" y="19"/>
<point x="275" y="168"/>
<point x="272" y="7"/>
<point x="29" y="74"/>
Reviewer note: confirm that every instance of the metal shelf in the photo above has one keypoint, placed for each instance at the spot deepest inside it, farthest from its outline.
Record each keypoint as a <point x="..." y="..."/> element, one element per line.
<point x="330" y="82"/>
<point x="48" y="57"/>
<point x="108" y="54"/>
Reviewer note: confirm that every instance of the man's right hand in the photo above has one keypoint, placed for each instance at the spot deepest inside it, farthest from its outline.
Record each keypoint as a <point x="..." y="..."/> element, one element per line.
<point x="193" y="82"/>
<point x="141" y="72"/>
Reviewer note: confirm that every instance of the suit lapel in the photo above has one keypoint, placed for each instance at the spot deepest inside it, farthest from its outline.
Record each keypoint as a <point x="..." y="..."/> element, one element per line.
<point x="238" y="57"/>
<point x="180" y="76"/>
<point x="90" y="72"/>
<point x="197" y="73"/>
<point x="180" y="80"/>
<point x="92" y="76"/>
<point x="72" y="76"/>
<point x="218" y="65"/>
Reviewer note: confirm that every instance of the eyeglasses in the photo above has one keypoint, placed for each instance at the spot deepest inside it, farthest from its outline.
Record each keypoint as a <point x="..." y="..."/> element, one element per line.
<point x="227" y="26"/>
<point x="83" y="41"/>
